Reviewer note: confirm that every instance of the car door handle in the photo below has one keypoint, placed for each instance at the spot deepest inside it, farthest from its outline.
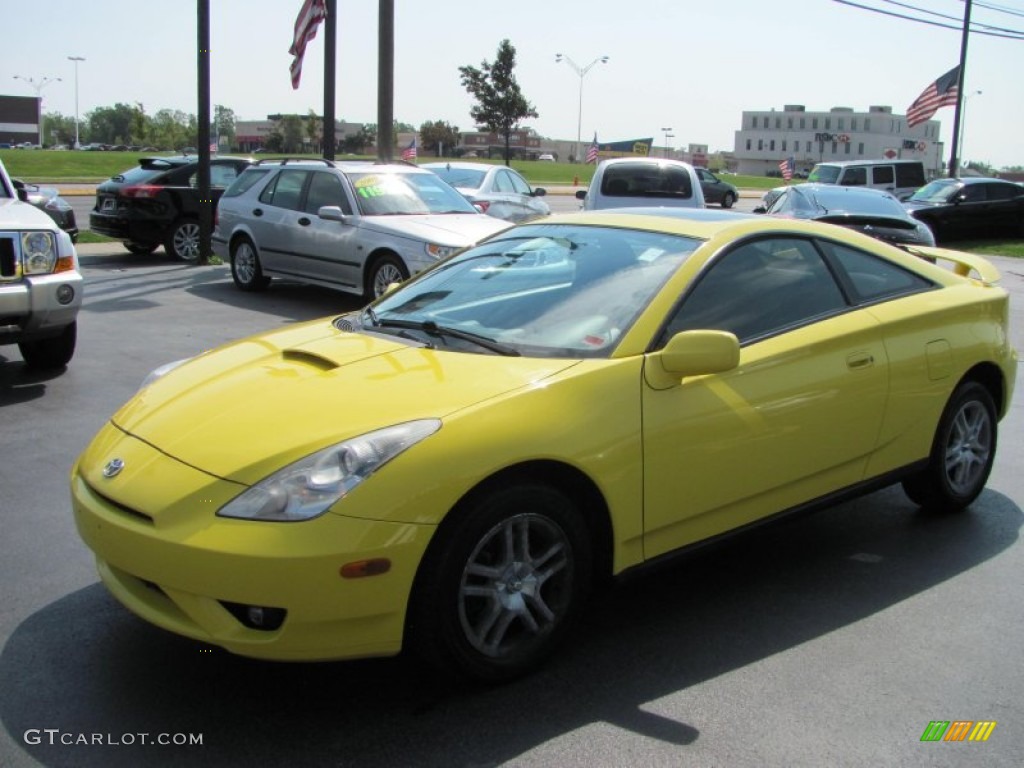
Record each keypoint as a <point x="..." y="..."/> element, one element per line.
<point x="860" y="360"/>
<point x="257" y="212"/>
<point x="305" y="222"/>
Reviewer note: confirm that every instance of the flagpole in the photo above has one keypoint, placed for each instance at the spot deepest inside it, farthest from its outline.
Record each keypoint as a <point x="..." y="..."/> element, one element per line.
<point x="203" y="93"/>
<point x="954" y="161"/>
<point x="330" y="77"/>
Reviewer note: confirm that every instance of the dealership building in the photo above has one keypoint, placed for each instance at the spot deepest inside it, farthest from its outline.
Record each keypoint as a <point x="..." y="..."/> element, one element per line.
<point x="768" y="137"/>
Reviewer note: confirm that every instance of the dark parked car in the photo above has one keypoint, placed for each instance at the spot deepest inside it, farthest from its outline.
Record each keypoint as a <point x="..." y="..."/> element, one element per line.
<point x="870" y="211"/>
<point x="157" y="203"/>
<point x="715" y="190"/>
<point x="48" y="200"/>
<point x="971" y="207"/>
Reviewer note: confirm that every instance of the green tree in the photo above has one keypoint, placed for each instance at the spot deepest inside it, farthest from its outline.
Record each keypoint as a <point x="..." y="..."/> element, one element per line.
<point x="286" y="135"/>
<point x="139" y="125"/>
<point x="223" y="124"/>
<point x="60" y="129"/>
<point x="111" y="125"/>
<point x="441" y="136"/>
<point x="500" y="103"/>
<point x="357" y="143"/>
<point x="314" y="131"/>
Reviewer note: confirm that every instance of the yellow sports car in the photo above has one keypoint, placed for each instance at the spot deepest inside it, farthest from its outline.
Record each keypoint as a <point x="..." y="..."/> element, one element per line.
<point x="453" y="467"/>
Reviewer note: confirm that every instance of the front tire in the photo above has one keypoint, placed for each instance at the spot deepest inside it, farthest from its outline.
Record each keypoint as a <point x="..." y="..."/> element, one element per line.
<point x="246" y="270"/>
<point x="499" y="589"/>
<point x="55" y="352"/>
<point x="962" y="454"/>
<point x="384" y="271"/>
<point x="183" y="240"/>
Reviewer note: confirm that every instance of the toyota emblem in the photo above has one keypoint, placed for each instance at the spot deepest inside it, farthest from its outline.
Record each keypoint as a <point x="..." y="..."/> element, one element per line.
<point x="113" y="468"/>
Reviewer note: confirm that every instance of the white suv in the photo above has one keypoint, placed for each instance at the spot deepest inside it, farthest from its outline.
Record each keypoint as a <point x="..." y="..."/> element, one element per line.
<point x="355" y="226"/>
<point x="40" y="283"/>
<point x="630" y="182"/>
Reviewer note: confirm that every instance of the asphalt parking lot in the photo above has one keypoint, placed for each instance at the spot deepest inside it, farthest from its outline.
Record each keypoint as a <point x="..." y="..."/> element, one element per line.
<point x="833" y="639"/>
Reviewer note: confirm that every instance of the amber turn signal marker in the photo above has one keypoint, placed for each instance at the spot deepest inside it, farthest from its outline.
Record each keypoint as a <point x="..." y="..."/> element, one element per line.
<point x="361" y="568"/>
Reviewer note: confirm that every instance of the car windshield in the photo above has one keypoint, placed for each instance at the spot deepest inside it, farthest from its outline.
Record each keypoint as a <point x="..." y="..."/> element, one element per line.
<point x="460" y="177"/>
<point x="824" y="174"/>
<point x="544" y="290"/>
<point x="938" y="191"/>
<point x="396" y="194"/>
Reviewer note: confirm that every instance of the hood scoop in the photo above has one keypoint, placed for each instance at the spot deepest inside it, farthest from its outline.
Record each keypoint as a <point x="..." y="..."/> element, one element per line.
<point x="310" y="358"/>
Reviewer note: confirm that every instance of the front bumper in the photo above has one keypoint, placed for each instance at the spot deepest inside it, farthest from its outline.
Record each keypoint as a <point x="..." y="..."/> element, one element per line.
<point x="30" y="308"/>
<point x="163" y="553"/>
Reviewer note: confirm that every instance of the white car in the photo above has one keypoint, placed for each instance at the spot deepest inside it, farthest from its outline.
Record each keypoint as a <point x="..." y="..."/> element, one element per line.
<point x="355" y="226"/>
<point x="496" y="190"/>
<point x="40" y="282"/>
<point x="625" y="182"/>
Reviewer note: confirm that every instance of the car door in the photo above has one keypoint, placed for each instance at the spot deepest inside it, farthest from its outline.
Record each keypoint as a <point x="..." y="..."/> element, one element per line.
<point x="798" y="418"/>
<point x="530" y="206"/>
<point x="281" y="240"/>
<point x="332" y="253"/>
<point x="711" y="186"/>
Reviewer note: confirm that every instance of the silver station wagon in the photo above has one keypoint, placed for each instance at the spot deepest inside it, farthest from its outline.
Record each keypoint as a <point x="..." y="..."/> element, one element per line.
<point x="355" y="226"/>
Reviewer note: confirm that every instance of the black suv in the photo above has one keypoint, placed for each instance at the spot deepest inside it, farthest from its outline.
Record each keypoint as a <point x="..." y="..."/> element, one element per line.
<point x="158" y="203"/>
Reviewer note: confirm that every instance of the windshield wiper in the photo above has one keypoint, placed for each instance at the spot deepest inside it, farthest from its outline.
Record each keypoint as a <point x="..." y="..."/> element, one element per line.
<point x="433" y="329"/>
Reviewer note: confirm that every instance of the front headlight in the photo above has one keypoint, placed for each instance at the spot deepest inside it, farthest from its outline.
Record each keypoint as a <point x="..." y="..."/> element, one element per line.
<point x="307" y="488"/>
<point x="38" y="252"/>
<point x="440" y="251"/>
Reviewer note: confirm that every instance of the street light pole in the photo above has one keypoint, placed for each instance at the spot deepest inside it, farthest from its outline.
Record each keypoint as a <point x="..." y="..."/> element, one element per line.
<point x="38" y="85"/>
<point x="668" y="135"/>
<point x="581" y="71"/>
<point x="76" y="59"/>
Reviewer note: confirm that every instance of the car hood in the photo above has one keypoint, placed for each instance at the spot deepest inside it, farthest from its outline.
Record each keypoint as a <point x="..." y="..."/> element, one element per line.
<point x="916" y="205"/>
<point x="248" y="409"/>
<point x="454" y="229"/>
<point x="14" y="214"/>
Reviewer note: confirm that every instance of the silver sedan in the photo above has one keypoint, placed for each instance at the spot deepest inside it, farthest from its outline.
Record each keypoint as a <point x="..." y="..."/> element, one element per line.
<point x="497" y="190"/>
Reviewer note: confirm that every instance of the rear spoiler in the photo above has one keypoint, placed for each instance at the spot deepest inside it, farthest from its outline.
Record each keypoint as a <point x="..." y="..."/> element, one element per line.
<point x="963" y="263"/>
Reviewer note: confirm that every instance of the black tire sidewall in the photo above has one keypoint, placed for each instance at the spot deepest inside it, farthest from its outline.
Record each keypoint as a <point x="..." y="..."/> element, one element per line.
<point x="437" y="628"/>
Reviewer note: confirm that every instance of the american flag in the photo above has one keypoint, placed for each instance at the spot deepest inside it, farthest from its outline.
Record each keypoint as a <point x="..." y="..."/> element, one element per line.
<point x="409" y="153"/>
<point x="944" y="92"/>
<point x="312" y="13"/>
<point x="786" y="166"/>
<point x="592" y="151"/>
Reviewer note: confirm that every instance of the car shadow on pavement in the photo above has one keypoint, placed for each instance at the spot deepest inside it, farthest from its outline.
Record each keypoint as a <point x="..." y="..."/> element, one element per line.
<point x="20" y="384"/>
<point x="83" y="665"/>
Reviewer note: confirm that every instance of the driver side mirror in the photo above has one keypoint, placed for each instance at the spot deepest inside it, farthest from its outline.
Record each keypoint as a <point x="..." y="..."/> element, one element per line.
<point x="692" y="353"/>
<point x="332" y="213"/>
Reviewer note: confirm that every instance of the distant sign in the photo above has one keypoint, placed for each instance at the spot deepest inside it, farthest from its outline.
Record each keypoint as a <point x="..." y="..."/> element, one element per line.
<point x="631" y="148"/>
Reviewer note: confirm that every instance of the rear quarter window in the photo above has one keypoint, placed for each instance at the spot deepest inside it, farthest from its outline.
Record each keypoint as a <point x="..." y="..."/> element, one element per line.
<point x="910" y="175"/>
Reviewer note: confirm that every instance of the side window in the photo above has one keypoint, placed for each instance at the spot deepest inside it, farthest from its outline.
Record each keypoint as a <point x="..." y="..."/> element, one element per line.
<point x="999" y="191"/>
<point x="519" y="184"/>
<point x="882" y="174"/>
<point x="286" y="190"/>
<point x="759" y="289"/>
<point x="325" y="189"/>
<point x="502" y="182"/>
<point x="246" y="181"/>
<point x="855" y="177"/>
<point x="872" y="278"/>
<point x="974" y="193"/>
<point x="910" y="175"/>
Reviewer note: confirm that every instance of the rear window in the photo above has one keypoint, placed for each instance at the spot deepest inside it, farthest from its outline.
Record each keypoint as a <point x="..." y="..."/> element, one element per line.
<point x="461" y="177"/>
<point x="149" y="173"/>
<point x="646" y="180"/>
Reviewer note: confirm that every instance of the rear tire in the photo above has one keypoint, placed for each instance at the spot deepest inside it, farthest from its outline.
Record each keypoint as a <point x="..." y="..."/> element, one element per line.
<point x="55" y="352"/>
<point x="728" y="199"/>
<point x="246" y="270"/>
<point x="183" y="240"/>
<point x="962" y="454"/>
<point x="500" y="587"/>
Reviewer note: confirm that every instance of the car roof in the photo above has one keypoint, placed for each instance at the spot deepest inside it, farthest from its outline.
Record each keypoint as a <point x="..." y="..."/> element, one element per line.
<point x="465" y="165"/>
<point x="883" y="161"/>
<point x="640" y="159"/>
<point x="839" y="192"/>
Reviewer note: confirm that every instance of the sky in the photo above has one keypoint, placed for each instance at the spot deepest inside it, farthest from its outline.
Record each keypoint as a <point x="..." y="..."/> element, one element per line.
<point x="686" y="65"/>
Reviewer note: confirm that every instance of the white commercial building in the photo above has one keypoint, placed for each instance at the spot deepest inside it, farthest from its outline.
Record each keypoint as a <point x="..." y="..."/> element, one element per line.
<point x="769" y="137"/>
